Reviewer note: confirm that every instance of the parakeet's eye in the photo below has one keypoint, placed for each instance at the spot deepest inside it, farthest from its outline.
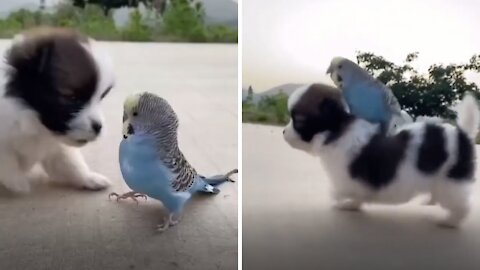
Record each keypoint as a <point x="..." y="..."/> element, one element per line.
<point x="339" y="78"/>
<point x="339" y="66"/>
<point x="135" y="113"/>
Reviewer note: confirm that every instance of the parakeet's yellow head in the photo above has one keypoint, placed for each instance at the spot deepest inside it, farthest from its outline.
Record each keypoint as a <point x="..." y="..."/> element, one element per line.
<point x="129" y="107"/>
<point x="147" y="113"/>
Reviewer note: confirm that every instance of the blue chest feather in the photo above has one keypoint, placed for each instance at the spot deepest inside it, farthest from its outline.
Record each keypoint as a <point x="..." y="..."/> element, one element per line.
<point x="144" y="172"/>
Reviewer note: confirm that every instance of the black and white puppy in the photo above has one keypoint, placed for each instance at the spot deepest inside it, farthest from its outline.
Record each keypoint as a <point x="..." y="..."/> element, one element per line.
<point x="367" y="166"/>
<point x="52" y="85"/>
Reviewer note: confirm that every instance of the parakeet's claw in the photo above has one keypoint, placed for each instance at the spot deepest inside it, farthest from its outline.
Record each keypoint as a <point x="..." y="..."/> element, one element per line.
<point x="164" y="226"/>
<point x="132" y="195"/>
<point x="168" y="222"/>
<point x="139" y="195"/>
<point x="232" y="172"/>
<point x="113" y="194"/>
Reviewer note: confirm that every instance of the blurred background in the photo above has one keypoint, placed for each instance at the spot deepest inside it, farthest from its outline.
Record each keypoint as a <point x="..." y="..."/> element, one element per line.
<point x="426" y="51"/>
<point x="127" y="20"/>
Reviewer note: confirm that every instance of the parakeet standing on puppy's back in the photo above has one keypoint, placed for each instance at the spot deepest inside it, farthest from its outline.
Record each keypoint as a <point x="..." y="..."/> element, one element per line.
<point x="366" y="97"/>
<point x="151" y="161"/>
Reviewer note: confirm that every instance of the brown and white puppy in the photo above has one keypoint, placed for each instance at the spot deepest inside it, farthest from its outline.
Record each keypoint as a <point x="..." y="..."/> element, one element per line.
<point x="52" y="85"/>
<point x="368" y="166"/>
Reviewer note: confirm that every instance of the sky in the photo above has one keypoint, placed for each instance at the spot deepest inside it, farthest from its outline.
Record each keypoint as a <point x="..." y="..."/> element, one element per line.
<point x="9" y="4"/>
<point x="287" y="41"/>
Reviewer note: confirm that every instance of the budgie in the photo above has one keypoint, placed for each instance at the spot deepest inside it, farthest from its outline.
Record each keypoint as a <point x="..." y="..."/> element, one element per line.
<point x="151" y="161"/>
<point x="365" y="96"/>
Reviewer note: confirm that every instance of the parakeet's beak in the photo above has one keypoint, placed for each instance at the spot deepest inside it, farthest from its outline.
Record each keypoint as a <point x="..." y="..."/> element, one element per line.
<point x="329" y="69"/>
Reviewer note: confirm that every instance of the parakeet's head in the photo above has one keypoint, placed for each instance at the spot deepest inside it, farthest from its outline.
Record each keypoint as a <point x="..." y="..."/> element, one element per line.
<point x="147" y="113"/>
<point x="344" y="71"/>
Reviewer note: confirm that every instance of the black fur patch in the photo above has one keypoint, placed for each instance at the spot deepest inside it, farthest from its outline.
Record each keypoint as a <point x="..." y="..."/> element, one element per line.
<point x="53" y="75"/>
<point x="464" y="168"/>
<point x="320" y="110"/>
<point x="432" y="153"/>
<point x="377" y="163"/>
<point x="330" y="117"/>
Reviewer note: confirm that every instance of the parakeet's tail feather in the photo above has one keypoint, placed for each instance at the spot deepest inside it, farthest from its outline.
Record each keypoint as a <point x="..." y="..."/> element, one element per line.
<point x="219" y="179"/>
<point x="209" y="183"/>
<point x="468" y="115"/>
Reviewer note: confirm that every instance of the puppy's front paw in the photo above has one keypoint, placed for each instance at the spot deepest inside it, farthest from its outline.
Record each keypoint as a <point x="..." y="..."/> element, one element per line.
<point x="18" y="185"/>
<point x="449" y="223"/>
<point x="348" y="205"/>
<point x="96" y="181"/>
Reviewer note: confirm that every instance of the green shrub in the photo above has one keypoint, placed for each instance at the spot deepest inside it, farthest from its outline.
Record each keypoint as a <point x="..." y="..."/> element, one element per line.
<point x="269" y="110"/>
<point x="136" y="29"/>
<point x="182" y="21"/>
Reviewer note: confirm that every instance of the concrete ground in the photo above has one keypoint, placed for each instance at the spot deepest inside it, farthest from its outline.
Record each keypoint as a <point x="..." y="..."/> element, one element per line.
<point x="288" y="221"/>
<point x="63" y="229"/>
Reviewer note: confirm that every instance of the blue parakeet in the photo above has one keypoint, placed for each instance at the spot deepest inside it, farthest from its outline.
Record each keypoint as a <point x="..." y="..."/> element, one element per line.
<point x="151" y="161"/>
<point x="365" y="96"/>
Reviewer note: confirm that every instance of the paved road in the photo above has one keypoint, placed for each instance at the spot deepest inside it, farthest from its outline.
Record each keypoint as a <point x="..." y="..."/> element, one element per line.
<point x="67" y="229"/>
<point x="288" y="222"/>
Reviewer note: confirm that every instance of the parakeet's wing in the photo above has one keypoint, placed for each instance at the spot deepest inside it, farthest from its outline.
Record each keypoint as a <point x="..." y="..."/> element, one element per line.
<point x="183" y="173"/>
<point x="389" y="97"/>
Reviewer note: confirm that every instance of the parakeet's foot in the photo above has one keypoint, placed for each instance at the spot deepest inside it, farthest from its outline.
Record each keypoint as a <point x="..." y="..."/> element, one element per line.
<point x="132" y="195"/>
<point x="230" y="173"/>
<point x="168" y="222"/>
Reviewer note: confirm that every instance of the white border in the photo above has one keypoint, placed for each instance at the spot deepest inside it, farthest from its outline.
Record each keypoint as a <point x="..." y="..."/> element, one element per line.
<point x="240" y="147"/>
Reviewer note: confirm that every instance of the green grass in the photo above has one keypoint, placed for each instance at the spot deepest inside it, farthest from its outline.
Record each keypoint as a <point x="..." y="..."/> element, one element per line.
<point x="179" y="24"/>
<point x="269" y="110"/>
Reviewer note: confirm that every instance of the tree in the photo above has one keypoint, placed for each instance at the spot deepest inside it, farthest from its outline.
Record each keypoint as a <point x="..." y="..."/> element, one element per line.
<point x="430" y="94"/>
<point x="107" y="5"/>
<point x="184" y="18"/>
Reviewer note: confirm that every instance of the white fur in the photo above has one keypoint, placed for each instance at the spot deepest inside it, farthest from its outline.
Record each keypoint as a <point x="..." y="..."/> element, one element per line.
<point x="350" y="194"/>
<point x="25" y="142"/>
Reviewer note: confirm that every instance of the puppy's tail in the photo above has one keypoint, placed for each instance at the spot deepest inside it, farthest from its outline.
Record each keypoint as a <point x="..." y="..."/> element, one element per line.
<point x="468" y="115"/>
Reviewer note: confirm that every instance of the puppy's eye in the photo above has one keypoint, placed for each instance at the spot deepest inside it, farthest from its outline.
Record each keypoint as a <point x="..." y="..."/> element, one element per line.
<point x="105" y="93"/>
<point x="71" y="98"/>
<point x="299" y="121"/>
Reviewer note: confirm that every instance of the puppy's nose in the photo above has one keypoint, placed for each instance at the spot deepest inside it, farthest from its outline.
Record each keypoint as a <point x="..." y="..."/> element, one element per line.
<point x="97" y="127"/>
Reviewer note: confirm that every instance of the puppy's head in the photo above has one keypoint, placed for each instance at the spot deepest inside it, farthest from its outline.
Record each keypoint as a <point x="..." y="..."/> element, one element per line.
<point x="314" y="110"/>
<point x="62" y="76"/>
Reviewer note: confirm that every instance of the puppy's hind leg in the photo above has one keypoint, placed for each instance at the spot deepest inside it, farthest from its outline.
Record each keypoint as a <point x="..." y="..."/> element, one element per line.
<point x="66" y="165"/>
<point x="454" y="197"/>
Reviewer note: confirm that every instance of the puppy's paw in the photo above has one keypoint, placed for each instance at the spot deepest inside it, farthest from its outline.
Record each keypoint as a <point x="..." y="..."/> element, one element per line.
<point x="19" y="186"/>
<point x="96" y="181"/>
<point x="348" y="205"/>
<point x="449" y="223"/>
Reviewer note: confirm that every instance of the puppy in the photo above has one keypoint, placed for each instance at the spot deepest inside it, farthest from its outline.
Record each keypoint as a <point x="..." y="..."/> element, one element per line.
<point x="367" y="166"/>
<point x="51" y="88"/>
